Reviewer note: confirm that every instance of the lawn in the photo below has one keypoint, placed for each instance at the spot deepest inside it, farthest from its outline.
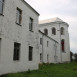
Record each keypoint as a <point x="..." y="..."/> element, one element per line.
<point x="50" y="70"/>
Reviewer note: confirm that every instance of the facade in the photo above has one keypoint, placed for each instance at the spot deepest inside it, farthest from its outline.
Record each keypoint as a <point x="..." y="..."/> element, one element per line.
<point x="18" y="36"/>
<point x="48" y="48"/>
<point x="57" y="29"/>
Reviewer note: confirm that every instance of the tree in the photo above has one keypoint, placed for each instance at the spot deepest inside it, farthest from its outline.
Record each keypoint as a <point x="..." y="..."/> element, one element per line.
<point x="75" y="55"/>
<point x="71" y="54"/>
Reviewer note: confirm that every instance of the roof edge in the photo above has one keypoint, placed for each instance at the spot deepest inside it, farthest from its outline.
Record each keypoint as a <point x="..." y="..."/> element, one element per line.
<point x="48" y="36"/>
<point x="31" y="7"/>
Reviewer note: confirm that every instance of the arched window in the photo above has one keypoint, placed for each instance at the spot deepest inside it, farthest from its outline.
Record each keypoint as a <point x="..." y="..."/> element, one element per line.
<point x="54" y="31"/>
<point x="46" y="31"/>
<point x="62" y="31"/>
<point x="62" y="45"/>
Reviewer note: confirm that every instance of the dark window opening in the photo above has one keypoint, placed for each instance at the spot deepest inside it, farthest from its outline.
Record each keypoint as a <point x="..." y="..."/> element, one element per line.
<point x="30" y="53"/>
<point x="40" y="57"/>
<point x="62" y="31"/>
<point x="41" y="41"/>
<point x="54" y="31"/>
<point x="1" y="6"/>
<point x="47" y="58"/>
<point x="16" y="54"/>
<point x="62" y="45"/>
<point x="47" y="43"/>
<point x="46" y="31"/>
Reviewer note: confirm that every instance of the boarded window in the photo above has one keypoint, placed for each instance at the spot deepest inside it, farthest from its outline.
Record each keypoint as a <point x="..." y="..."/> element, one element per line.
<point x="30" y="53"/>
<point x="16" y="51"/>
<point x="53" y="31"/>
<point x="19" y="16"/>
<point x="31" y="24"/>
<point x="1" y="6"/>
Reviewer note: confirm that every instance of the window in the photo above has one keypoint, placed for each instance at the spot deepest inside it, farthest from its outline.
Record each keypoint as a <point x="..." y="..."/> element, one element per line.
<point x="53" y="31"/>
<point x="62" y="45"/>
<point x="47" y="43"/>
<point x="30" y="53"/>
<point x="47" y="58"/>
<point x="1" y="6"/>
<point x="31" y="24"/>
<point x="41" y="40"/>
<point x="62" y="31"/>
<point x="16" y="51"/>
<point x="46" y="31"/>
<point x="19" y="16"/>
<point x="40" y="57"/>
<point x="0" y="44"/>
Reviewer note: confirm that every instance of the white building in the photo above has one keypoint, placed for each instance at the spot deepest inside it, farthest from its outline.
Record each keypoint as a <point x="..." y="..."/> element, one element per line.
<point x="56" y="29"/>
<point x="18" y="36"/>
<point x="24" y="44"/>
<point x="48" y="48"/>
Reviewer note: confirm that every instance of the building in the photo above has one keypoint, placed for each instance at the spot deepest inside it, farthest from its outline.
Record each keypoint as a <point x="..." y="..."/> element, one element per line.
<point x="48" y="48"/>
<point x="18" y="36"/>
<point x="24" y="43"/>
<point x="57" y="30"/>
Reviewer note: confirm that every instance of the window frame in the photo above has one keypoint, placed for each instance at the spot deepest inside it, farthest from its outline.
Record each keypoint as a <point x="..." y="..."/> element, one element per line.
<point x="46" y="31"/>
<point x="16" y="53"/>
<point x="62" y="30"/>
<point x="30" y="56"/>
<point x="63" y="45"/>
<point x="1" y="13"/>
<point x="47" y="43"/>
<point x="19" y="16"/>
<point x="40" y="57"/>
<point x="41" y="41"/>
<point x="31" y="20"/>
<point x="54" y="31"/>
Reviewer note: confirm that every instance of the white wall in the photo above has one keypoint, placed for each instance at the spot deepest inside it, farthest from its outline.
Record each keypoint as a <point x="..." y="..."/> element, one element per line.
<point x="62" y="56"/>
<point x="11" y="32"/>
<point x="50" y="50"/>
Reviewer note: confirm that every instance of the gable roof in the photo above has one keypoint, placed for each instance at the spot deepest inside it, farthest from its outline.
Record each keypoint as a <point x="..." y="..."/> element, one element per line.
<point x="30" y="7"/>
<point x="51" y="20"/>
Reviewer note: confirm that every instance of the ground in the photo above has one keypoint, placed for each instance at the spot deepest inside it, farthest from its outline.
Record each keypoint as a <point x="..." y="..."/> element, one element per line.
<point x="50" y="70"/>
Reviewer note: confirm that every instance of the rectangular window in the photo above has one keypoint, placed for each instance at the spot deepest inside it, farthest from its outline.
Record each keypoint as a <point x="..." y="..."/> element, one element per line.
<point x="47" y="43"/>
<point x="1" y="6"/>
<point x="41" y="41"/>
<point x="0" y="44"/>
<point x="31" y="24"/>
<point x="63" y="45"/>
<point x="30" y="53"/>
<point x="19" y="16"/>
<point x="40" y="57"/>
<point x="16" y="54"/>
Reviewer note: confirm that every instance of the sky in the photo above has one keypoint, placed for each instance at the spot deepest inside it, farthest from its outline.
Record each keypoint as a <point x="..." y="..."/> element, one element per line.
<point x="63" y="9"/>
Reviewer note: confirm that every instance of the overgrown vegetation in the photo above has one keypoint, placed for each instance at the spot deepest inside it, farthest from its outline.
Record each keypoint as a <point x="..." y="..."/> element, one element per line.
<point x="50" y="70"/>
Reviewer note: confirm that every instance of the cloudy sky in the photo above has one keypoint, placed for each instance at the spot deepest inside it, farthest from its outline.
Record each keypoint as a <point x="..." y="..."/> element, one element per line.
<point x="64" y="9"/>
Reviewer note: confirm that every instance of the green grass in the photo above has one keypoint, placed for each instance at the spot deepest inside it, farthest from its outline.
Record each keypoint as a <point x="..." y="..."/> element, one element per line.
<point x="51" y="70"/>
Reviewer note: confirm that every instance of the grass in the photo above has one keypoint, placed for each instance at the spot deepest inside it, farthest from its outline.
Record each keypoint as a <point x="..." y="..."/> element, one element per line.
<point x="50" y="70"/>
